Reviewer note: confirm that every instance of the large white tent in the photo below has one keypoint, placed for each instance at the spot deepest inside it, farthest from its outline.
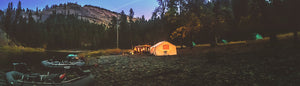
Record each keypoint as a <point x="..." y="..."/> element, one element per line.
<point x="163" y="48"/>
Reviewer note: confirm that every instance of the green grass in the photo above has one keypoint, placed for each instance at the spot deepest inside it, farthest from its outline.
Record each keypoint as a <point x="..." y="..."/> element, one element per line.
<point x="19" y="49"/>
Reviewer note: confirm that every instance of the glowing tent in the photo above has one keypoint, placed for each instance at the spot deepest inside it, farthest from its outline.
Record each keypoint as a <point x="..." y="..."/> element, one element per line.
<point x="163" y="48"/>
<point x="258" y="36"/>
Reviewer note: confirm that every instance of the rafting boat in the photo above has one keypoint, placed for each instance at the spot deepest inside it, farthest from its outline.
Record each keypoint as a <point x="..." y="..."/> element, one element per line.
<point x="62" y="64"/>
<point x="71" y="61"/>
<point x="16" y="78"/>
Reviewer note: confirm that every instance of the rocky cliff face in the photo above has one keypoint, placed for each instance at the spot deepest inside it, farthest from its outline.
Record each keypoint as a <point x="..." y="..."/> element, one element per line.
<point x="91" y="13"/>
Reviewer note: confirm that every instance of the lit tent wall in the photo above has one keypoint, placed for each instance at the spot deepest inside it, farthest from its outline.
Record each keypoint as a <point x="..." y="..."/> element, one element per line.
<point x="163" y="48"/>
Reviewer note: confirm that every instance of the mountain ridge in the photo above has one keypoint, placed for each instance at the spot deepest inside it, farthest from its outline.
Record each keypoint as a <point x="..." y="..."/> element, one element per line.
<point x="91" y="13"/>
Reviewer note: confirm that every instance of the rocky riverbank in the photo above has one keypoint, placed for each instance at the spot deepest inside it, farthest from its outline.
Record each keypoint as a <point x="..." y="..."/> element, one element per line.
<point x="269" y="66"/>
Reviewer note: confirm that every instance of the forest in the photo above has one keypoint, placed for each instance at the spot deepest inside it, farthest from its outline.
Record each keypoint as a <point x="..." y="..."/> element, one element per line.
<point x="178" y="21"/>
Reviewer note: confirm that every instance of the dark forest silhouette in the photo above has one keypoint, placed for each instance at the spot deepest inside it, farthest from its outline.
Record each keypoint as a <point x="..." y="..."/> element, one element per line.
<point x="179" y="21"/>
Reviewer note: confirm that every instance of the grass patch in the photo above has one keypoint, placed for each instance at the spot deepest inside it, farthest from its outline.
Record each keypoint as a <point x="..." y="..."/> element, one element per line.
<point x="104" y="52"/>
<point x="19" y="49"/>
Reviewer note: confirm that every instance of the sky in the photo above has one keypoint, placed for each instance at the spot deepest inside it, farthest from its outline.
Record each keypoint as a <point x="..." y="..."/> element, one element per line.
<point x="140" y="7"/>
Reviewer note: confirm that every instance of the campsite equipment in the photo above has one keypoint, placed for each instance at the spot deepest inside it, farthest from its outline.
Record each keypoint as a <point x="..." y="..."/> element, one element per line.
<point x="258" y="36"/>
<point x="224" y="41"/>
<point x="163" y="48"/>
<point x="142" y="49"/>
<point x="194" y="44"/>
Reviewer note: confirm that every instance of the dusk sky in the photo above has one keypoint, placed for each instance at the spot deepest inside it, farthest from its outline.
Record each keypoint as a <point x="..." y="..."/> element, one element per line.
<point x="140" y="7"/>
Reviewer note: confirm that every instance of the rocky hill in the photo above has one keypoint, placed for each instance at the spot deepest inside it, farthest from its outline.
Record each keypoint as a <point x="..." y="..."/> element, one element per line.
<point x="91" y="13"/>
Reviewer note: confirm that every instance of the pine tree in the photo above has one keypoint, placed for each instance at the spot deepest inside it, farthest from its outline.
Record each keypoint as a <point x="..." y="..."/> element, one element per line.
<point x="113" y="23"/>
<point x="46" y="7"/>
<point x="1" y="17"/>
<point x="131" y="15"/>
<point x="124" y="37"/>
<point x="8" y="16"/>
<point x="30" y="18"/>
<point x="143" y="18"/>
<point x="18" y="13"/>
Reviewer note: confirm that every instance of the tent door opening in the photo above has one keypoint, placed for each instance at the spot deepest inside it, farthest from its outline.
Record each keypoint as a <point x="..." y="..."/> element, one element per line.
<point x="165" y="52"/>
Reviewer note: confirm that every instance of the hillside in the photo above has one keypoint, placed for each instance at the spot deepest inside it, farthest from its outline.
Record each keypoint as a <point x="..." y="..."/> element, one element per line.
<point x="91" y="13"/>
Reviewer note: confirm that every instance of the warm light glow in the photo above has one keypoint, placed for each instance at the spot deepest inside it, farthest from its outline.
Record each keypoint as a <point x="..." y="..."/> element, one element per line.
<point x="165" y="47"/>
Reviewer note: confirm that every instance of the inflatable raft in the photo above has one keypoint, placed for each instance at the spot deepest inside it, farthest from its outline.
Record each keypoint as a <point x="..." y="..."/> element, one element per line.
<point x="71" y="61"/>
<point x="62" y="64"/>
<point x="15" y="78"/>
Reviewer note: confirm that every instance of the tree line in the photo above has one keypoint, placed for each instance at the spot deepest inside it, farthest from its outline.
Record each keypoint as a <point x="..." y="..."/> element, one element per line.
<point x="203" y="21"/>
<point x="59" y="31"/>
<point x="179" y="21"/>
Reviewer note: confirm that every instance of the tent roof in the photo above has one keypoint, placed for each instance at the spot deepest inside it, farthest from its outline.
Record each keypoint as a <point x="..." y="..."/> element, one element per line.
<point x="160" y="43"/>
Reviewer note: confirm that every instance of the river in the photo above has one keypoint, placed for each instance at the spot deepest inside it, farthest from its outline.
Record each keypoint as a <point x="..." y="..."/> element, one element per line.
<point x="33" y="59"/>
